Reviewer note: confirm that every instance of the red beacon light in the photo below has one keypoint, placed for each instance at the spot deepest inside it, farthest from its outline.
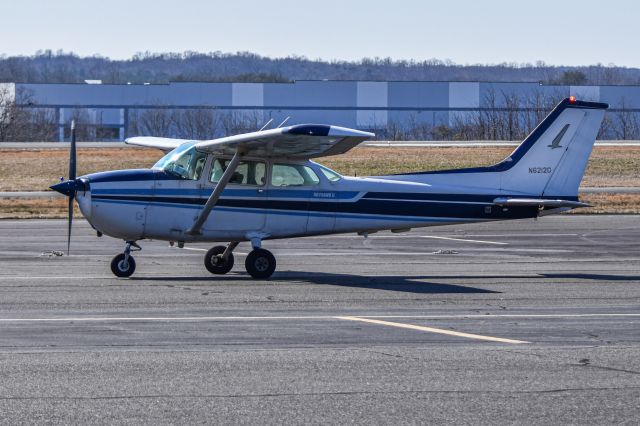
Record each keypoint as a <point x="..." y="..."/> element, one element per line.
<point x="572" y="99"/>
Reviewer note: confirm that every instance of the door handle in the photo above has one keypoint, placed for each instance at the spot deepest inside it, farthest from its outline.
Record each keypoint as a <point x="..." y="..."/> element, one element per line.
<point x="260" y="191"/>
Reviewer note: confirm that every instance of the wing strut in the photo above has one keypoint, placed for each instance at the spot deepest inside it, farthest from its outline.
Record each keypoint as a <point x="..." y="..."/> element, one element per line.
<point x="217" y="192"/>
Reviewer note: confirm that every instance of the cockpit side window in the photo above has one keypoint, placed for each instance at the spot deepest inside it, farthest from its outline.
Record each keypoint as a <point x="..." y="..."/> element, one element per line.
<point x="247" y="172"/>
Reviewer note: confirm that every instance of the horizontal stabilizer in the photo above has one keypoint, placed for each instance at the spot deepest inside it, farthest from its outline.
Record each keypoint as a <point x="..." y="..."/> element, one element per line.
<point x="537" y="202"/>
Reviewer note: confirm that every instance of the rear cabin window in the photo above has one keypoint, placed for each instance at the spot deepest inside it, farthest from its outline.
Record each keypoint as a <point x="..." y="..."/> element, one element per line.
<point x="247" y="173"/>
<point x="293" y="175"/>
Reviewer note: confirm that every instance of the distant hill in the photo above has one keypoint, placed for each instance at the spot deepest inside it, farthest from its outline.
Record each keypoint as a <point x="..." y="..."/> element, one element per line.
<point x="61" y="67"/>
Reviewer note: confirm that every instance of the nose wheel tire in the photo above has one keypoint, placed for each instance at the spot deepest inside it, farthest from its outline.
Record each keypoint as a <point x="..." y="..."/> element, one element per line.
<point x="260" y="263"/>
<point x="122" y="269"/>
<point x="214" y="262"/>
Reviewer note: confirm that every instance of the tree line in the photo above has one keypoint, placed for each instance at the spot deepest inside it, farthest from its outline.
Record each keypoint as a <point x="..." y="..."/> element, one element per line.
<point x="64" y="67"/>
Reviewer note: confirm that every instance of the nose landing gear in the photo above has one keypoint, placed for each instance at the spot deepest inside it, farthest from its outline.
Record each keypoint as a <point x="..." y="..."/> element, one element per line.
<point x="219" y="260"/>
<point x="124" y="265"/>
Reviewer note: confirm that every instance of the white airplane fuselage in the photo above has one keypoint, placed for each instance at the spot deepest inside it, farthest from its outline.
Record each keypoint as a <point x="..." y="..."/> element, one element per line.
<point x="151" y="204"/>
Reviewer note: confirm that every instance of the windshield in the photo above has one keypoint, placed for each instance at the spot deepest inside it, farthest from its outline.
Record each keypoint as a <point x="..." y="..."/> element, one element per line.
<point x="184" y="162"/>
<point x="329" y="174"/>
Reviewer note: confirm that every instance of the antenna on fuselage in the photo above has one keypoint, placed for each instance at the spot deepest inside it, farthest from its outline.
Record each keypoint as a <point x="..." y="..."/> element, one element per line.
<point x="282" y="124"/>
<point x="265" y="126"/>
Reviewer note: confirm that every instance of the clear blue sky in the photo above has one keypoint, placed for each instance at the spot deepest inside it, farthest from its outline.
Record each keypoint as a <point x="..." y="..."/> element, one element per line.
<point x="569" y="32"/>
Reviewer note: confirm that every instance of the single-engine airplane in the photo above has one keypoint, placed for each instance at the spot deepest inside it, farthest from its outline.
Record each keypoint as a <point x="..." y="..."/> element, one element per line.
<point x="263" y="185"/>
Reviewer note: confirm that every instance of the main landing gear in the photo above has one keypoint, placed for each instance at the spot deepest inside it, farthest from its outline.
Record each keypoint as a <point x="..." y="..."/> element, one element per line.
<point x="260" y="263"/>
<point x="124" y="265"/>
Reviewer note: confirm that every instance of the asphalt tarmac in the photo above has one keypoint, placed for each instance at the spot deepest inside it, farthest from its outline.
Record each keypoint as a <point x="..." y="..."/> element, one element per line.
<point x="524" y="322"/>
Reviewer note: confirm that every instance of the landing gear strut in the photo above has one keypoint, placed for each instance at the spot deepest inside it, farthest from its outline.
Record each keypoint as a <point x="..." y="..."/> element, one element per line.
<point x="124" y="265"/>
<point x="219" y="259"/>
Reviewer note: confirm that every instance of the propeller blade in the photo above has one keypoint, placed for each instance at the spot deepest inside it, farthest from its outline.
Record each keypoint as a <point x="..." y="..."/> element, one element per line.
<point x="72" y="177"/>
<point x="70" y="221"/>
<point x="72" y="152"/>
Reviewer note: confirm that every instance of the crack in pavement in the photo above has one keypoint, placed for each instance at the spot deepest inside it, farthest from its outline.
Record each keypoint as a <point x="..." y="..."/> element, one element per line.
<point x="337" y="393"/>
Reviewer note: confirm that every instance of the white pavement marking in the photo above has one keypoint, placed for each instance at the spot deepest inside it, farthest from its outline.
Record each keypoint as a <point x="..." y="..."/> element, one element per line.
<point x="465" y="240"/>
<point x="205" y="250"/>
<point x="316" y="317"/>
<point x="507" y="234"/>
<point x="435" y="237"/>
<point x="435" y="330"/>
<point x="55" y="277"/>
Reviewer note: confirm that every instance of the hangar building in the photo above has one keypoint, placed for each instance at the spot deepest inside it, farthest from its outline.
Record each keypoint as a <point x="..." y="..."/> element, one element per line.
<point x="367" y="105"/>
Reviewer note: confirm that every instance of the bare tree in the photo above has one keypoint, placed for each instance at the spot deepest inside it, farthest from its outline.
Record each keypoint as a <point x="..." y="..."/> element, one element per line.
<point x="21" y="120"/>
<point x="395" y="131"/>
<point x="628" y="126"/>
<point x="7" y="110"/>
<point x="197" y="124"/>
<point x="419" y="129"/>
<point x="236" y="122"/>
<point x="151" y="122"/>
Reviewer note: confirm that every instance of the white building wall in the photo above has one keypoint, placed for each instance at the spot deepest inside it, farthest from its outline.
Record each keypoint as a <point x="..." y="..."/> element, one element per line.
<point x="463" y="95"/>
<point x="372" y="95"/>
<point x="248" y="95"/>
<point x="585" y="93"/>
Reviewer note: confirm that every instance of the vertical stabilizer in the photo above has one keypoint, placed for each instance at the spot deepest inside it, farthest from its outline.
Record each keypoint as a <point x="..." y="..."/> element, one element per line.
<point x="550" y="162"/>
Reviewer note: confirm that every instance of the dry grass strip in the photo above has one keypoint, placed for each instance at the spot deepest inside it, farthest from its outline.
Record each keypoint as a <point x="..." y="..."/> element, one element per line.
<point x="36" y="170"/>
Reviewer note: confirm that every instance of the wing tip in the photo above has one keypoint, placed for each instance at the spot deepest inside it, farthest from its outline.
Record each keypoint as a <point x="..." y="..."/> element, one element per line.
<point x="326" y="130"/>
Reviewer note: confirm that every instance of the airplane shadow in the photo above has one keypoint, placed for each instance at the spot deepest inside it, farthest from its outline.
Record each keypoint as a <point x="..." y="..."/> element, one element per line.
<point x="413" y="284"/>
<point x="595" y="277"/>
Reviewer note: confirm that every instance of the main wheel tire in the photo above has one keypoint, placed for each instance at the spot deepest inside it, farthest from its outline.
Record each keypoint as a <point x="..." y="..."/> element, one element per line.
<point x="215" y="264"/>
<point x="260" y="263"/>
<point x="119" y="268"/>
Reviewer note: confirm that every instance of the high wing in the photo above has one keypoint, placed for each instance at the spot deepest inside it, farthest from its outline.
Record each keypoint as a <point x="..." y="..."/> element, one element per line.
<point x="302" y="141"/>
<point x="165" y="144"/>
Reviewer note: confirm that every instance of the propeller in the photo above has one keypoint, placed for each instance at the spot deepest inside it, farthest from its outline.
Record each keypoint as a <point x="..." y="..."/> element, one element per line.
<point x="72" y="177"/>
<point x="69" y="187"/>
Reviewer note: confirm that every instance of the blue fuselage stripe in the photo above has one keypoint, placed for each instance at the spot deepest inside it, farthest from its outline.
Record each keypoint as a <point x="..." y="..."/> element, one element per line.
<point x="299" y="213"/>
<point x="363" y="206"/>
